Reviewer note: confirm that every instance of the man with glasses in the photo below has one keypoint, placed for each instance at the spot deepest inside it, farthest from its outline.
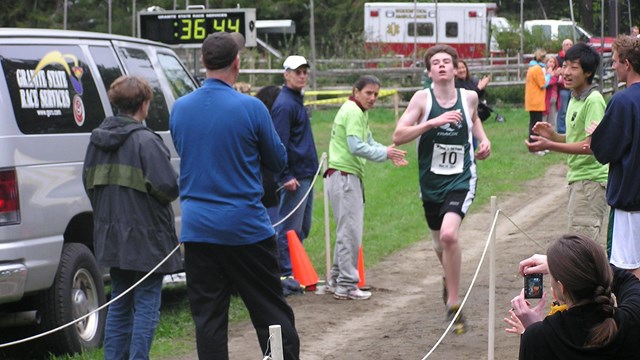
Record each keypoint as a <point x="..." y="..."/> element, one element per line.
<point x="563" y="92"/>
<point x="292" y="123"/>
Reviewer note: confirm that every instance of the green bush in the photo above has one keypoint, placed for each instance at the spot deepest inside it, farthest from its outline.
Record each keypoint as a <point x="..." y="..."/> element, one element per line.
<point x="537" y="40"/>
<point x="505" y="95"/>
<point x="509" y="41"/>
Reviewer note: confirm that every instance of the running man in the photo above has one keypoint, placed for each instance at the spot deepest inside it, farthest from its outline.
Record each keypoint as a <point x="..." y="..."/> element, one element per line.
<point x="446" y="161"/>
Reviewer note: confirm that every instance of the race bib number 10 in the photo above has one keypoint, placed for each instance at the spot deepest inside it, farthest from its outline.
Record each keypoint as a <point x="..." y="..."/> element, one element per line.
<point x="447" y="159"/>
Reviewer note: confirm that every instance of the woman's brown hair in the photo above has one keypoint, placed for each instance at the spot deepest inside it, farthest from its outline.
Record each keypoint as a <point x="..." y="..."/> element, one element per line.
<point x="582" y="267"/>
<point x="128" y="93"/>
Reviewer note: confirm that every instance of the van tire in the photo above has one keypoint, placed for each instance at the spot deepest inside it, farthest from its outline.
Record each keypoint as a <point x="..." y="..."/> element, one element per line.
<point x="78" y="289"/>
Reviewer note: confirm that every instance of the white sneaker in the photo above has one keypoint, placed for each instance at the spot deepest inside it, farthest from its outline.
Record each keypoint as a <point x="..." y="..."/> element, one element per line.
<point x="353" y="294"/>
<point x="330" y="288"/>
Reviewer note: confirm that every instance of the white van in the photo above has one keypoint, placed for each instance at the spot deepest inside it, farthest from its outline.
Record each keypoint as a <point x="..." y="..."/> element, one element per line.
<point x="53" y="92"/>
<point x="564" y="29"/>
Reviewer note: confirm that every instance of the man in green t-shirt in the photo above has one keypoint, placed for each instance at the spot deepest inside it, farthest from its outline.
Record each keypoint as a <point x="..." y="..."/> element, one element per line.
<point x="350" y="147"/>
<point x="586" y="176"/>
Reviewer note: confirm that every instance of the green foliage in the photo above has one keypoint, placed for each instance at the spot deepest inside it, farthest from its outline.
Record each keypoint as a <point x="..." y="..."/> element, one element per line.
<point x="506" y="95"/>
<point x="509" y="41"/>
<point x="338" y="24"/>
<point x="537" y="40"/>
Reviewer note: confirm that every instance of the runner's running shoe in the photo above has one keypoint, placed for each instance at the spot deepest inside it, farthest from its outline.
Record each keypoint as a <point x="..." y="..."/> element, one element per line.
<point x="459" y="325"/>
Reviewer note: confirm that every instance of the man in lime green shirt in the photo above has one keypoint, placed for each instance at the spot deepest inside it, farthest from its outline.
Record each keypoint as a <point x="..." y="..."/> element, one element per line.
<point x="586" y="176"/>
<point x="350" y="146"/>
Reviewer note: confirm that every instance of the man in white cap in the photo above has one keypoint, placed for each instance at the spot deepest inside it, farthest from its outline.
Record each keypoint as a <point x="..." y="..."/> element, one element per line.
<point x="292" y="123"/>
<point x="228" y="239"/>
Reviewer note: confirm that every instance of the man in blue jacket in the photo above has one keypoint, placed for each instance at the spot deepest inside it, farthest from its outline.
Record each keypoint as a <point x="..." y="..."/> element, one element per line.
<point x="294" y="128"/>
<point x="222" y="137"/>
<point x="616" y="141"/>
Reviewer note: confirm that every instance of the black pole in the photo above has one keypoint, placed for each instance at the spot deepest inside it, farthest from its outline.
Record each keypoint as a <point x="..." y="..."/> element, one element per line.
<point x="613" y="18"/>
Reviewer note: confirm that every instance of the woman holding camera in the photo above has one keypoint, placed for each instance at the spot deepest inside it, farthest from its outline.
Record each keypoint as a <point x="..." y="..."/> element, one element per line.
<point x="593" y="326"/>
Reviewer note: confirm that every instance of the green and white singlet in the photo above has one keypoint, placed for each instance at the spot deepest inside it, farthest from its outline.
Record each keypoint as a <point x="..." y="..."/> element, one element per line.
<point x="445" y="154"/>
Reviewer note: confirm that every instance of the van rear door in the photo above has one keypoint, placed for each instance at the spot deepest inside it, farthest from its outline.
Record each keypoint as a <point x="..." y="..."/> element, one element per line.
<point x="169" y="80"/>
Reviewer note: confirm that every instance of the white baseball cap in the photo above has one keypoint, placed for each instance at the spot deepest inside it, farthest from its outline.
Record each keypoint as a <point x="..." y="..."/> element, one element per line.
<point x="294" y="61"/>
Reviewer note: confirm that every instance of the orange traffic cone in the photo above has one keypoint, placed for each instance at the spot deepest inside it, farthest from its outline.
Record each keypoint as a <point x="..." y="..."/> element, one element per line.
<point x="362" y="282"/>
<point x="303" y="270"/>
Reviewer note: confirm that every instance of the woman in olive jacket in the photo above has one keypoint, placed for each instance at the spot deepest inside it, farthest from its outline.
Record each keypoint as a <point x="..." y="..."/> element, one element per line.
<point x="131" y="184"/>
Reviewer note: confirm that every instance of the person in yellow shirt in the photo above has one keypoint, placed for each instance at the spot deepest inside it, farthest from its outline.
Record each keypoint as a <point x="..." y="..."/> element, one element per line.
<point x="534" y="91"/>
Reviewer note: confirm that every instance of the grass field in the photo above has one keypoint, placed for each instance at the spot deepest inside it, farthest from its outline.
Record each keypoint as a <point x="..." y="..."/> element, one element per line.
<point x="393" y="212"/>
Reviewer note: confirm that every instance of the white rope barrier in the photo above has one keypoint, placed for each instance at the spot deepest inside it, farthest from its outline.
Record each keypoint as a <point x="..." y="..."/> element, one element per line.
<point x="320" y="167"/>
<point x="37" y="336"/>
<point x="94" y="311"/>
<point x="475" y="275"/>
<point x="473" y="281"/>
<point x="305" y="195"/>
<point x="523" y="232"/>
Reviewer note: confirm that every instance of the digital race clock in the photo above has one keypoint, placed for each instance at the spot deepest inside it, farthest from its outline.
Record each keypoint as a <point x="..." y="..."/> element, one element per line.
<point x="191" y="27"/>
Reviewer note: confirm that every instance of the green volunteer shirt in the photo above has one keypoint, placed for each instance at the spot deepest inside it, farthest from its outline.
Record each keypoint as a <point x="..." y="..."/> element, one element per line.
<point x="583" y="109"/>
<point x="349" y="121"/>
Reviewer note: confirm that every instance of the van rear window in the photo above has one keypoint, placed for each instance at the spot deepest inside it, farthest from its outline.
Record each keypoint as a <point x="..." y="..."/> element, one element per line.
<point x="178" y="78"/>
<point x="52" y="89"/>
<point x="108" y="67"/>
<point x="138" y="63"/>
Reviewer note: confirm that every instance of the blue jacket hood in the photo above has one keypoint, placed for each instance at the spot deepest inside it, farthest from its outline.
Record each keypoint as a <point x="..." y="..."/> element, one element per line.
<point x="534" y="63"/>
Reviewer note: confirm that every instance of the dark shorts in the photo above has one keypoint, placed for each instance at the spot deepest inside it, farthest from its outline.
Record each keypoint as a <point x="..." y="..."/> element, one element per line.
<point x="434" y="212"/>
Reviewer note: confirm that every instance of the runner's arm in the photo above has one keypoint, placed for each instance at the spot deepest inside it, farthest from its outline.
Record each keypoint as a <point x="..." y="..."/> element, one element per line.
<point x="484" y="145"/>
<point x="408" y="127"/>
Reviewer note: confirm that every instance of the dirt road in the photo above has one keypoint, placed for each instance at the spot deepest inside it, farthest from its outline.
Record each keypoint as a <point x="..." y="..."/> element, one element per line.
<point x="405" y="316"/>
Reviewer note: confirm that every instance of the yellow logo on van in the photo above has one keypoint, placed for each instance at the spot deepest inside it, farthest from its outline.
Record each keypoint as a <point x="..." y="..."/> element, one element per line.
<point x="56" y="57"/>
<point x="48" y="90"/>
<point x="393" y="29"/>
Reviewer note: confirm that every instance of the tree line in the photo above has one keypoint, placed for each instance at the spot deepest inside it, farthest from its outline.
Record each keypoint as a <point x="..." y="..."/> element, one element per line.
<point x="338" y="23"/>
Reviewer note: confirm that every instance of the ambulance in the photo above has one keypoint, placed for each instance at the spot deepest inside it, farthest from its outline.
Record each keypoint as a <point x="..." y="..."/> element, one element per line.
<point x="397" y="27"/>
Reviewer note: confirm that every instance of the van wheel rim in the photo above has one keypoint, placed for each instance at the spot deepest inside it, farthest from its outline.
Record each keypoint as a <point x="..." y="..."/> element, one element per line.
<point x="84" y="299"/>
